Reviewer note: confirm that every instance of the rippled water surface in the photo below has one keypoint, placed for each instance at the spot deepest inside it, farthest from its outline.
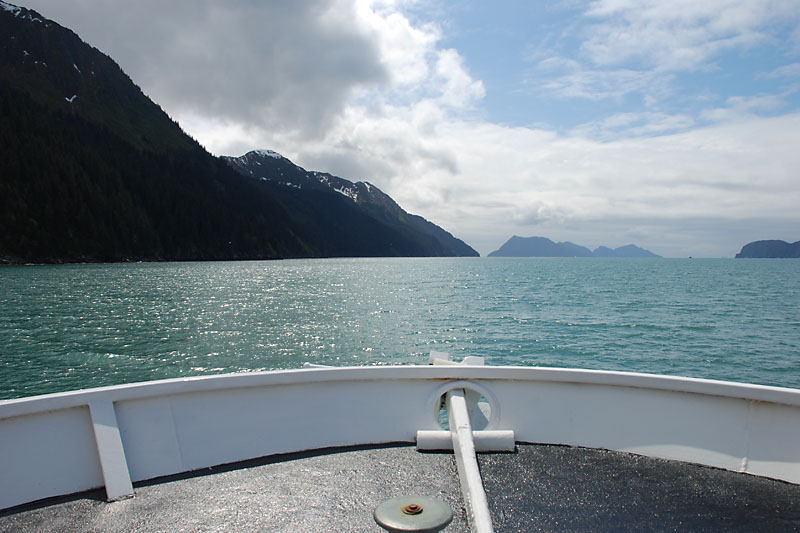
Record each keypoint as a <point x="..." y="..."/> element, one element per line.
<point x="75" y="326"/>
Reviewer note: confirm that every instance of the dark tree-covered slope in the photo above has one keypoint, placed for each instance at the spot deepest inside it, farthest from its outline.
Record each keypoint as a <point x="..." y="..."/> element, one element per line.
<point x="73" y="191"/>
<point x="93" y="170"/>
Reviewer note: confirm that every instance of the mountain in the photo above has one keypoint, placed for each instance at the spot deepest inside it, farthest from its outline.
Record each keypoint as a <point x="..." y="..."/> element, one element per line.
<point x="539" y="247"/>
<point x="604" y="251"/>
<point x="93" y="170"/>
<point x="629" y="250"/>
<point x="770" y="249"/>
<point x="61" y="73"/>
<point x="544" y="247"/>
<point x="270" y="166"/>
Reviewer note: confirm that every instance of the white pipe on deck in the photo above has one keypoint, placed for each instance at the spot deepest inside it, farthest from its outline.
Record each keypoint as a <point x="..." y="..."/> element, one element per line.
<point x="468" y="472"/>
<point x="485" y="441"/>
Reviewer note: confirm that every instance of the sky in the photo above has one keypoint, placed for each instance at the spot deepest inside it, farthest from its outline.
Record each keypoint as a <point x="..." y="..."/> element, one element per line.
<point x="671" y="125"/>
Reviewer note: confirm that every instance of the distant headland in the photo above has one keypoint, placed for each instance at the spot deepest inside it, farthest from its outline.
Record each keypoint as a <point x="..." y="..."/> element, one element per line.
<point x="544" y="247"/>
<point x="770" y="249"/>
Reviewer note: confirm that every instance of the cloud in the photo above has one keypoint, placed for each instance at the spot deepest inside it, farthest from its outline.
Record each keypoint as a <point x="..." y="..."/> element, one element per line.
<point x="739" y="108"/>
<point x="288" y="66"/>
<point x="565" y="78"/>
<point x="458" y="88"/>
<point x="362" y="90"/>
<point x="524" y="181"/>
<point x="681" y="35"/>
<point x="633" y="124"/>
<point x="648" y="47"/>
<point x="789" y="71"/>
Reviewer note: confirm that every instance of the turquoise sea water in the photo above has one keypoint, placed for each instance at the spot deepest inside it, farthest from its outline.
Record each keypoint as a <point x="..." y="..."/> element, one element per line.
<point x="74" y="326"/>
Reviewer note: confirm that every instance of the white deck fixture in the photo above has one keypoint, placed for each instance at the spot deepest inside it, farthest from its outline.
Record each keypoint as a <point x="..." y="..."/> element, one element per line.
<point x="461" y="400"/>
<point x="468" y="473"/>
<point x="485" y="440"/>
<point x="66" y="443"/>
<point x="116" y="477"/>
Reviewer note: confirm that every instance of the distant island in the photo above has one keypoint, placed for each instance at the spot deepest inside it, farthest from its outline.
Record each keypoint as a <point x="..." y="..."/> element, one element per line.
<point x="770" y="249"/>
<point x="544" y="247"/>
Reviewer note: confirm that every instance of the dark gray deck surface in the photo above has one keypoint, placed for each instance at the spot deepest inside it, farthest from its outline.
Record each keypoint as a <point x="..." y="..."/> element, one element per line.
<point x="538" y="488"/>
<point x="559" y="488"/>
<point x="302" y="492"/>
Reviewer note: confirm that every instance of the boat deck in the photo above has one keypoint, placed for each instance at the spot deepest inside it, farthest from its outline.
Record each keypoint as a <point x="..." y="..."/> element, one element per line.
<point x="537" y="488"/>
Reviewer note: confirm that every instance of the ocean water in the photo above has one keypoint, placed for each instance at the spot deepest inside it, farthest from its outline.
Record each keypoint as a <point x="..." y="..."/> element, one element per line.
<point x="66" y="327"/>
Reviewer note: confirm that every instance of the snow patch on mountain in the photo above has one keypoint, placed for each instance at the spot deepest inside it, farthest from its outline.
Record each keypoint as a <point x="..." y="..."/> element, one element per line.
<point x="8" y="7"/>
<point x="17" y="11"/>
<point x="346" y="191"/>
<point x="268" y="153"/>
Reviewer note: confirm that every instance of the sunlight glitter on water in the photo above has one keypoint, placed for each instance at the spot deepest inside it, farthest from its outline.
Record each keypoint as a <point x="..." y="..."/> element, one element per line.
<point x="75" y="326"/>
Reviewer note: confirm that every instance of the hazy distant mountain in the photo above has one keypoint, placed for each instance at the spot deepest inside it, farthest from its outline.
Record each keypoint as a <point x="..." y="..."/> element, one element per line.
<point x="539" y="247"/>
<point x="629" y="250"/>
<point x="544" y="247"/>
<point x="604" y="251"/>
<point x="770" y="249"/>
<point x="93" y="170"/>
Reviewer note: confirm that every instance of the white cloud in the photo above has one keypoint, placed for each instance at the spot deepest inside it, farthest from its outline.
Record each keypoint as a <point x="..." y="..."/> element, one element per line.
<point x="641" y="47"/>
<point x="632" y="124"/>
<point x="742" y="108"/>
<point x="458" y="88"/>
<point x="360" y="90"/>
<point x="524" y="181"/>
<point x="486" y="182"/>
<point x="403" y="47"/>
<point x="791" y="70"/>
<point x="565" y="78"/>
<point x="288" y="66"/>
<point x="680" y="35"/>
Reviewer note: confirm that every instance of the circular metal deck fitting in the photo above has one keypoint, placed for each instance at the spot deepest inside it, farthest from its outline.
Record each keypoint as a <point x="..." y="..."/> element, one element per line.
<point x="412" y="508"/>
<point x="413" y="513"/>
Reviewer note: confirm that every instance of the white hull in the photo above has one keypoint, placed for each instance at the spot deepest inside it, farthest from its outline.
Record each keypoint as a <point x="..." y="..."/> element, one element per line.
<point x="65" y="443"/>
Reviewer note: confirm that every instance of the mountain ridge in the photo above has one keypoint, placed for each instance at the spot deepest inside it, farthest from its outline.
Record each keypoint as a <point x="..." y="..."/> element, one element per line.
<point x="270" y="166"/>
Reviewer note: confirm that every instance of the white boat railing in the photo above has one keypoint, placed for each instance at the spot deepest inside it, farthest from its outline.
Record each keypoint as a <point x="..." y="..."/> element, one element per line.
<point x="115" y="436"/>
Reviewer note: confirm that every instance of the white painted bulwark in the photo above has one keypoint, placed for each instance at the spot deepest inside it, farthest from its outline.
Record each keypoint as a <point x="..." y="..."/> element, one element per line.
<point x="109" y="450"/>
<point x="45" y="454"/>
<point x="54" y="445"/>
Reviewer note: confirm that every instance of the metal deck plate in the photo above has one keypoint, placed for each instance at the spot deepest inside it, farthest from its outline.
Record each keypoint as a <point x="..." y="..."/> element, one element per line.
<point x="413" y="513"/>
